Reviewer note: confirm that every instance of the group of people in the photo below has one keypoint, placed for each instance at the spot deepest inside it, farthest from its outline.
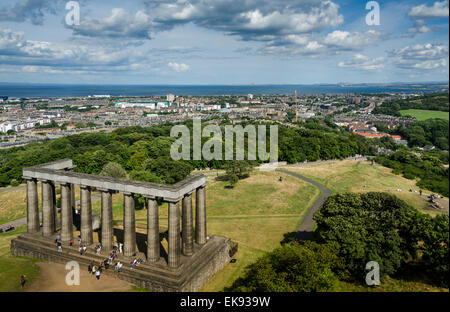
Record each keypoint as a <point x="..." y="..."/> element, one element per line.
<point x="96" y="270"/>
<point x="97" y="248"/>
<point x="118" y="247"/>
<point x="58" y="243"/>
<point x="135" y="262"/>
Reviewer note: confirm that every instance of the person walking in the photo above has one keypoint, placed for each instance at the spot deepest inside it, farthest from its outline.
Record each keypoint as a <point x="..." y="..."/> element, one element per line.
<point x="23" y="280"/>
<point x="97" y="274"/>
<point x="90" y="268"/>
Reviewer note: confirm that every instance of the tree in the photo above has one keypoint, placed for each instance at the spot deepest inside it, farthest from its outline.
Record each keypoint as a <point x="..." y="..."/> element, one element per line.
<point x="169" y="170"/>
<point x="291" y="268"/>
<point x="239" y="168"/>
<point x="114" y="170"/>
<point x="233" y="180"/>
<point x="363" y="228"/>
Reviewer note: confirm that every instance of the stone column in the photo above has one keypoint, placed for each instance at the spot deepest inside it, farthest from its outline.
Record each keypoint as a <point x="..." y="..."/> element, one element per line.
<point x="86" y="215"/>
<point x="200" y="215"/>
<point x="48" y="211"/>
<point x="66" y="214"/>
<point x="72" y="196"/>
<point x="55" y="209"/>
<point x="174" y="234"/>
<point x="129" y="227"/>
<point x="153" y="243"/>
<point x="33" y="224"/>
<point x="107" y="221"/>
<point x="187" y="226"/>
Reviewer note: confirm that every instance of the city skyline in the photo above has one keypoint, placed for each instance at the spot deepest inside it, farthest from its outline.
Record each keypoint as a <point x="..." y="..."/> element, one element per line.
<point x="223" y="42"/>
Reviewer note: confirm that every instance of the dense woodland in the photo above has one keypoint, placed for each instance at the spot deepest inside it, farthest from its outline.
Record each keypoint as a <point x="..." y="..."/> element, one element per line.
<point x="353" y="229"/>
<point x="145" y="152"/>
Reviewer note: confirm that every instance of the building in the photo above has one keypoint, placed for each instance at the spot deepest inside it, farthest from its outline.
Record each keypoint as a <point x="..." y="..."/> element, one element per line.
<point x="170" y="98"/>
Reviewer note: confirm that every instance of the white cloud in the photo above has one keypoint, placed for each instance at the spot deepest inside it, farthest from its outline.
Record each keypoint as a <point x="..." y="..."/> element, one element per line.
<point x="352" y="41"/>
<point x="360" y="61"/>
<point x="120" y="23"/>
<point x="49" y="57"/>
<point x="178" y="67"/>
<point x="421" y="56"/>
<point x="438" y="10"/>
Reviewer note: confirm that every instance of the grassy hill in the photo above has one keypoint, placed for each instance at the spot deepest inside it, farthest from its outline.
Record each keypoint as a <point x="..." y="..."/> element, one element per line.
<point x="420" y="114"/>
<point x="357" y="177"/>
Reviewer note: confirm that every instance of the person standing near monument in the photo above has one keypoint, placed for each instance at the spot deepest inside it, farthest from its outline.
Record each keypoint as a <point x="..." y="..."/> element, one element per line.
<point x="23" y="281"/>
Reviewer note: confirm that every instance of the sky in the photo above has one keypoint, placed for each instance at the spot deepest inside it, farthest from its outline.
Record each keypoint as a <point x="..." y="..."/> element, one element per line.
<point x="230" y="42"/>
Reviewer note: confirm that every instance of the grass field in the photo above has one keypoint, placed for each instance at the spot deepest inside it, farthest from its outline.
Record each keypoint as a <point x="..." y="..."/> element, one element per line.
<point x="255" y="214"/>
<point x="352" y="176"/>
<point x="424" y="114"/>
<point x="11" y="268"/>
<point x="256" y="222"/>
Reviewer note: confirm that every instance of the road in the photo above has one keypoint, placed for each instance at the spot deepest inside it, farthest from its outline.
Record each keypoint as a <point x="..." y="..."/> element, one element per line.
<point x="305" y="229"/>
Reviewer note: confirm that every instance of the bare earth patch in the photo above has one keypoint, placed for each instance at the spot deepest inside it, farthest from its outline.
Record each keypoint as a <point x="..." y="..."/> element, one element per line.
<point x="53" y="279"/>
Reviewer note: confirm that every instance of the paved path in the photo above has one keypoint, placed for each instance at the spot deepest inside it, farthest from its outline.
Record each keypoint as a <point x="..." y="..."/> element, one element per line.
<point x="305" y="229"/>
<point x="19" y="222"/>
<point x="12" y="189"/>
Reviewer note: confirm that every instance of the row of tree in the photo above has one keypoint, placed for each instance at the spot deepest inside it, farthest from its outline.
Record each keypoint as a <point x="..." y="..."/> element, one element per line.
<point x="145" y="152"/>
<point x="352" y="230"/>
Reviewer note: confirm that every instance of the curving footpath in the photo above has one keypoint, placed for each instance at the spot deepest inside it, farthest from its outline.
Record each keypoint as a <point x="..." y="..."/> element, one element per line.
<point x="305" y="229"/>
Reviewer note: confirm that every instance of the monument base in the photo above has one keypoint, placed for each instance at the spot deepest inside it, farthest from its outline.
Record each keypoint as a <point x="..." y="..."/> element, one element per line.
<point x="192" y="274"/>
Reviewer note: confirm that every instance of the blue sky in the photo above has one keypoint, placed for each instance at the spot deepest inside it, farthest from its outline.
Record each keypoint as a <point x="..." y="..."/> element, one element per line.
<point x="223" y="42"/>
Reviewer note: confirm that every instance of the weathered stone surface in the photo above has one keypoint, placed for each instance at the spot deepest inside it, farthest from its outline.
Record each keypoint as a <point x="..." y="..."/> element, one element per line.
<point x="107" y="222"/>
<point x="200" y="216"/>
<point x="86" y="216"/>
<point x="187" y="271"/>
<point x="193" y="273"/>
<point x="187" y="226"/>
<point x="169" y="192"/>
<point x="33" y="224"/>
<point x="66" y="214"/>
<point x="153" y="243"/>
<point x="129" y="226"/>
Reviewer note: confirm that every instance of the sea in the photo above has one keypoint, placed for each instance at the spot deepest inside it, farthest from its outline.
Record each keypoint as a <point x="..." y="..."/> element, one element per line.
<point x="27" y="90"/>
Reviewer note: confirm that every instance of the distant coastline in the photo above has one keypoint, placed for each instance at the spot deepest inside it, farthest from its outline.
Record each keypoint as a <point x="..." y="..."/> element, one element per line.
<point x="20" y="90"/>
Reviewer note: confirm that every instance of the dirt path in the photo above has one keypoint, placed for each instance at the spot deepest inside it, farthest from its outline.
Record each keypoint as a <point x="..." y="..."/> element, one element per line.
<point x="52" y="278"/>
